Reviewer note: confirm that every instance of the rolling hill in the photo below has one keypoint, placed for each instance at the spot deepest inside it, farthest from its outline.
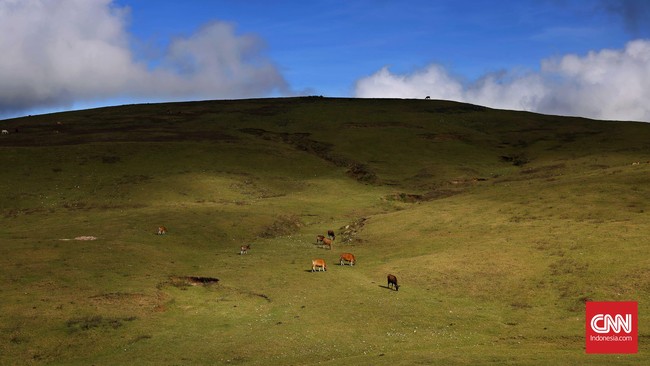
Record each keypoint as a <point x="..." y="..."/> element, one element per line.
<point x="499" y="226"/>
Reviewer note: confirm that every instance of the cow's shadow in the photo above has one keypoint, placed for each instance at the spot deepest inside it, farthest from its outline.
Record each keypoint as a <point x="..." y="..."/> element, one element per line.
<point x="387" y="288"/>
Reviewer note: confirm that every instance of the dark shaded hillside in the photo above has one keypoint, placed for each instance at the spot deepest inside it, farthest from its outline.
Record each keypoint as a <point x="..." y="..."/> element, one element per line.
<point x="415" y="144"/>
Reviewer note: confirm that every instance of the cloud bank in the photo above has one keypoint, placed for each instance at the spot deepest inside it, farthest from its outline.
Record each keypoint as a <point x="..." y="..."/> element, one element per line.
<point x="57" y="52"/>
<point x="606" y="84"/>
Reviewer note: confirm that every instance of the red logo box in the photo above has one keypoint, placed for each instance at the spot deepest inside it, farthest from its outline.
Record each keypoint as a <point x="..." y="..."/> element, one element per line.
<point x="612" y="327"/>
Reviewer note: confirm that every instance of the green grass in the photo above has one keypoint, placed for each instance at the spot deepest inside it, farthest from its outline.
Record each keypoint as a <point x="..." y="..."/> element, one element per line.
<point x="499" y="226"/>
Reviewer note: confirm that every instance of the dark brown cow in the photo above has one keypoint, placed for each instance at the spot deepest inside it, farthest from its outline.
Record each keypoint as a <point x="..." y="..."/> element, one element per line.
<point x="327" y="243"/>
<point x="162" y="230"/>
<point x="318" y="263"/>
<point x="347" y="257"/>
<point x="330" y="234"/>
<point x="244" y="249"/>
<point x="319" y="238"/>
<point x="392" y="280"/>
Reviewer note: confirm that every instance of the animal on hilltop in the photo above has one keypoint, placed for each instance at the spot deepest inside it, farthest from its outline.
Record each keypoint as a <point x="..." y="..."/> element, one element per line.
<point x="318" y="264"/>
<point x="392" y="280"/>
<point x="162" y="230"/>
<point x="347" y="257"/>
<point x="331" y="235"/>
<point x="244" y="249"/>
<point x="327" y="243"/>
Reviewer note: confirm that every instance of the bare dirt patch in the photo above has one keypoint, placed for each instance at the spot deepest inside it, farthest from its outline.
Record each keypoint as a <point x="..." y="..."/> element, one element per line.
<point x="81" y="238"/>
<point x="349" y="233"/>
<point x="186" y="281"/>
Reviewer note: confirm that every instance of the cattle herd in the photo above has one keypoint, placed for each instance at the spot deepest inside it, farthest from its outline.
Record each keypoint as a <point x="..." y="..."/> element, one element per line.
<point x="318" y="264"/>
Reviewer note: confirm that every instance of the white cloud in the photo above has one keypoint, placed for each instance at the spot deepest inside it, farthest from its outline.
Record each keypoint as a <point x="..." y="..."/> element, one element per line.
<point x="58" y="52"/>
<point x="608" y="84"/>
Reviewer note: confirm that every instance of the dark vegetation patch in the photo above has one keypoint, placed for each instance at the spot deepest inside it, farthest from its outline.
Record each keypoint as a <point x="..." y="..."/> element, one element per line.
<point x="15" y="212"/>
<point x="405" y="197"/>
<point x="111" y="159"/>
<point x="444" y="107"/>
<point x="281" y="226"/>
<point x="442" y="137"/>
<point x="380" y="125"/>
<point x="434" y="194"/>
<point x="134" y="179"/>
<point x="77" y="205"/>
<point x="302" y="142"/>
<point x="516" y="159"/>
<point x="361" y="173"/>
<point x="99" y="127"/>
<point x="90" y="322"/>
<point x="543" y="169"/>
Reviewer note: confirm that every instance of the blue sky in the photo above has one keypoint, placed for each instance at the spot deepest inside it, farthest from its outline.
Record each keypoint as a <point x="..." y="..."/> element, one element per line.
<point x="585" y="58"/>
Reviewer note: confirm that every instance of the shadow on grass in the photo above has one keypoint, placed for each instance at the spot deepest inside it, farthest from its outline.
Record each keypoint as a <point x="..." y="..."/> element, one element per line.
<point x="386" y="287"/>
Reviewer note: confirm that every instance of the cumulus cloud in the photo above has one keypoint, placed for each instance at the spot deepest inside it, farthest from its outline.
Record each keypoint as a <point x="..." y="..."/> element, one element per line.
<point x="57" y="52"/>
<point x="607" y="84"/>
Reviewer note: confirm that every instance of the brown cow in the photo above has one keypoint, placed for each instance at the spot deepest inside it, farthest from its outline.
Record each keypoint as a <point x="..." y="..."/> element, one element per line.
<point x="327" y="243"/>
<point x="318" y="263"/>
<point x="244" y="249"/>
<point x="347" y="257"/>
<point x="392" y="280"/>
<point x="162" y="230"/>
<point x="330" y="234"/>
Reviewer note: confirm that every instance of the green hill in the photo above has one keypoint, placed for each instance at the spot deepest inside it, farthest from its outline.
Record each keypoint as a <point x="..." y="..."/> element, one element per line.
<point x="499" y="226"/>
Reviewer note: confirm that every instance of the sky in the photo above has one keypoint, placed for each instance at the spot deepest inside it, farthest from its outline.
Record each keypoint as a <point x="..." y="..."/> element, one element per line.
<point x="588" y="58"/>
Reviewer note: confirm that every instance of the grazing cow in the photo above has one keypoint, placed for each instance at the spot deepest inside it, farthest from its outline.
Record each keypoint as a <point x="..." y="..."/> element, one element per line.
<point x="318" y="263"/>
<point x="327" y="243"/>
<point x="347" y="257"/>
<point x="319" y="239"/>
<point x="392" y="280"/>
<point x="427" y="97"/>
<point x="5" y="132"/>
<point x="162" y="230"/>
<point x="244" y="249"/>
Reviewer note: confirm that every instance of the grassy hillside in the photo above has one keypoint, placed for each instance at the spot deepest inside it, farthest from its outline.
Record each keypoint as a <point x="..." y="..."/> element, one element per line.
<point x="499" y="225"/>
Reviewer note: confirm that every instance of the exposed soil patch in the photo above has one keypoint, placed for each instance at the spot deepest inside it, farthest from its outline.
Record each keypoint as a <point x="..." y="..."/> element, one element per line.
<point x="348" y="233"/>
<point x="361" y="173"/>
<point x="128" y="299"/>
<point x="82" y="238"/>
<point x="283" y="225"/>
<point x="405" y="197"/>
<point x="185" y="281"/>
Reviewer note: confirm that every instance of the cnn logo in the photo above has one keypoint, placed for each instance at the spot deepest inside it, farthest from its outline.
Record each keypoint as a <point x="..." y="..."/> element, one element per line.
<point x="611" y="327"/>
